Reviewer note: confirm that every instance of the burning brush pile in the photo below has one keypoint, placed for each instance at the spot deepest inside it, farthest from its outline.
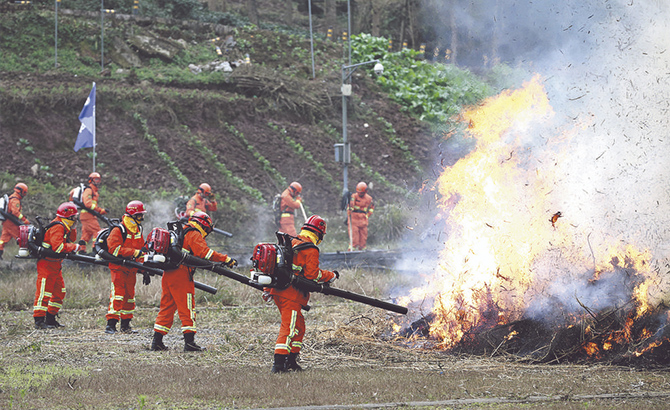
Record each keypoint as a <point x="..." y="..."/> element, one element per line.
<point x="538" y="262"/>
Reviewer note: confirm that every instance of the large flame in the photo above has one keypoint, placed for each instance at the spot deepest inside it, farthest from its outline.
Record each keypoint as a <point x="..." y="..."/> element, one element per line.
<point x="511" y="251"/>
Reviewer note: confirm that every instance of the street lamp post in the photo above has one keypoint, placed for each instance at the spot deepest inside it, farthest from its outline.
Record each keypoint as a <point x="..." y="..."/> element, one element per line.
<point x="56" y="33"/>
<point x="343" y="150"/>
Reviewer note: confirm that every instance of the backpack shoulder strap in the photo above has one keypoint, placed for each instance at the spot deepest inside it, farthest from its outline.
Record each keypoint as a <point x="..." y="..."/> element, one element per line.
<point x="305" y="245"/>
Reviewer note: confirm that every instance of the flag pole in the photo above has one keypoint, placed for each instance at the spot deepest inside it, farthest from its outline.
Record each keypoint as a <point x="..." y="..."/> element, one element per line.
<point x="94" y="140"/>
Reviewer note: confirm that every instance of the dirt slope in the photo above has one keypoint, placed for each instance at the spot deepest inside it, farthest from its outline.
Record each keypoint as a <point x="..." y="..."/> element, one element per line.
<point x="240" y="126"/>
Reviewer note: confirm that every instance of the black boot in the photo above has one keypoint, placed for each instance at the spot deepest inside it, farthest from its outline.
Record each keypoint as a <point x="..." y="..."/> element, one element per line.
<point x="189" y="343"/>
<point x="111" y="326"/>
<point x="40" y="323"/>
<point x="279" y="365"/>
<point x="1" y="252"/>
<point x="125" y="326"/>
<point x="51" y="321"/>
<point x="157" y="342"/>
<point x="291" y="363"/>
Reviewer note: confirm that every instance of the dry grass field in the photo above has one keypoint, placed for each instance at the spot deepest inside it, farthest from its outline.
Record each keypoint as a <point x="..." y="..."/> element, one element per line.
<point x="350" y="358"/>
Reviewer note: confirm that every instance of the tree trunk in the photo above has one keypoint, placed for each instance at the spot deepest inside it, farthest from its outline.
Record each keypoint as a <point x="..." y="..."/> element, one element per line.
<point x="411" y="18"/>
<point x="288" y="12"/>
<point x="454" y="36"/>
<point x="376" y="10"/>
<point x="252" y="12"/>
<point x="331" y="18"/>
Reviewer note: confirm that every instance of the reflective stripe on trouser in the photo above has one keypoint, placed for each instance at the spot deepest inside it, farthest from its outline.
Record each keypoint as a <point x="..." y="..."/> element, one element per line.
<point x="49" y="288"/>
<point x="178" y="294"/>
<point x="292" y="329"/>
<point x="122" y="294"/>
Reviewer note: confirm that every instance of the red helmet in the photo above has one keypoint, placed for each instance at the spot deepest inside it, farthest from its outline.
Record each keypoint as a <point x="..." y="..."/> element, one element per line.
<point x="203" y="220"/>
<point x="205" y="189"/>
<point x="67" y="210"/>
<point x="135" y="208"/>
<point x="94" y="178"/>
<point x="317" y="225"/>
<point x="361" y="187"/>
<point x="21" y="189"/>
<point x="296" y="187"/>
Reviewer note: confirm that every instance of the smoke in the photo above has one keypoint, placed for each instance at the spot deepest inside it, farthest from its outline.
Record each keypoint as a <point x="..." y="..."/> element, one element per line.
<point x="605" y="67"/>
<point x="159" y="213"/>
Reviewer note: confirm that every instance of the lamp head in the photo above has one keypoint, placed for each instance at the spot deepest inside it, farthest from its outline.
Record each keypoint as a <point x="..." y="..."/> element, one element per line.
<point x="379" y="68"/>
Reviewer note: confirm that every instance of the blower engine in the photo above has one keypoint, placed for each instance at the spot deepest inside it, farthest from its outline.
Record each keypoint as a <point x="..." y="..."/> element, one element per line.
<point x="273" y="263"/>
<point x="158" y="243"/>
<point x="26" y="232"/>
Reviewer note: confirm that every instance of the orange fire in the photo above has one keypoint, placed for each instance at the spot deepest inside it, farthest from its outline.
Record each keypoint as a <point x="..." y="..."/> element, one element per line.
<point x="506" y="248"/>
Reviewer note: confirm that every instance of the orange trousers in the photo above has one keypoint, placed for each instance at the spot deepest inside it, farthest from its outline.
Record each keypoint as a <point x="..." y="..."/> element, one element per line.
<point x="122" y="295"/>
<point x="287" y="225"/>
<point x="359" y="231"/>
<point x="292" y="329"/>
<point x="89" y="226"/>
<point x="9" y="231"/>
<point x="178" y="294"/>
<point x="50" y="288"/>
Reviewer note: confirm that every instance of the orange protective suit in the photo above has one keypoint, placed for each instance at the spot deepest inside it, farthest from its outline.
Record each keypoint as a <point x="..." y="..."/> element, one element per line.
<point x="360" y="209"/>
<point x="122" y="295"/>
<point x="289" y="204"/>
<point x="291" y="300"/>
<point x="200" y="203"/>
<point x="10" y="230"/>
<point x="89" y="222"/>
<point x="178" y="289"/>
<point x="50" y="287"/>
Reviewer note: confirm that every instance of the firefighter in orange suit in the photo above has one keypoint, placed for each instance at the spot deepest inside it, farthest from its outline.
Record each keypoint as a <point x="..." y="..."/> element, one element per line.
<point x="290" y="301"/>
<point x="178" y="289"/>
<point x="359" y="211"/>
<point x="290" y="201"/>
<point x="10" y="230"/>
<point x="89" y="222"/>
<point x="202" y="201"/>
<point x="125" y="242"/>
<point x="59" y="237"/>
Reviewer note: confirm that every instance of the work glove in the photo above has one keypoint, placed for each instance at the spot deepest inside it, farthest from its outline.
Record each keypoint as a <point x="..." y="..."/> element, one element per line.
<point x="230" y="262"/>
<point x="81" y="247"/>
<point x="267" y="296"/>
<point x="146" y="278"/>
<point x="102" y="211"/>
<point x="337" y="276"/>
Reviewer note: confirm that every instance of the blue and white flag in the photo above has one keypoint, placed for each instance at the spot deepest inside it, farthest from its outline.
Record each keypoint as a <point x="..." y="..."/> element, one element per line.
<point x="86" y="137"/>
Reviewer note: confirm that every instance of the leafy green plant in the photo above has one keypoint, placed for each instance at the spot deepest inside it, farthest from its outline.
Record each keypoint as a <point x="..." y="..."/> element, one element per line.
<point x="432" y="92"/>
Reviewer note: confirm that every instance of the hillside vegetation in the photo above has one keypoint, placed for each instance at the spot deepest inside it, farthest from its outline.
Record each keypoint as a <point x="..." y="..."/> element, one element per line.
<point x="166" y="122"/>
